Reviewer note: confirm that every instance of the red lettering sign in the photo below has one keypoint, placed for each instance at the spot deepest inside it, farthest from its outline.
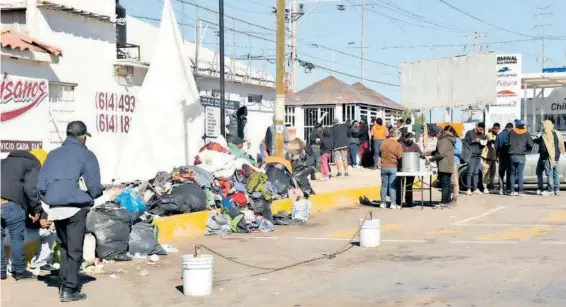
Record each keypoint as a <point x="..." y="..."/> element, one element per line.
<point x="20" y="95"/>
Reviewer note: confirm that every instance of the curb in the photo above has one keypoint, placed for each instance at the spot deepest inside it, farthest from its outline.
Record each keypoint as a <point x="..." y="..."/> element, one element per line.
<point x="192" y="225"/>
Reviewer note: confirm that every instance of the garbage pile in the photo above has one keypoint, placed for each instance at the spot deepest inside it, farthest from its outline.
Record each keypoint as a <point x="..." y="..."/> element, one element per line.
<point x="223" y="179"/>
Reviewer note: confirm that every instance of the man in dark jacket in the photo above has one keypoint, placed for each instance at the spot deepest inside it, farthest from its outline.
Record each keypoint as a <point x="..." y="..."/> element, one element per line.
<point x="68" y="182"/>
<point x="340" y="140"/>
<point x="475" y="140"/>
<point x="408" y="144"/>
<point x="520" y="143"/>
<point x="502" y="150"/>
<point x="444" y="157"/>
<point x="364" y="141"/>
<point x="236" y="126"/>
<point x="19" y="195"/>
<point x="354" y="143"/>
<point x="315" y="138"/>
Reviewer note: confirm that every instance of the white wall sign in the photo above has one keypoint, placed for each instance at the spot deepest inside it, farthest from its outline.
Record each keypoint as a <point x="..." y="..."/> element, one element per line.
<point x="212" y="122"/>
<point x="507" y="105"/>
<point x="24" y="112"/>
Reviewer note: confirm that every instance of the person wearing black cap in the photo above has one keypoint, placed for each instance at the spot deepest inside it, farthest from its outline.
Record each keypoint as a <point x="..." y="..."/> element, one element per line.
<point x="68" y="183"/>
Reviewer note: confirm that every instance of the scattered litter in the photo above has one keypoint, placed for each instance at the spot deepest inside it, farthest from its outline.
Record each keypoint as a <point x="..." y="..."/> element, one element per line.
<point x="143" y="273"/>
<point x="113" y="276"/>
<point x="94" y="269"/>
<point x="154" y="258"/>
<point x="170" y="248"/>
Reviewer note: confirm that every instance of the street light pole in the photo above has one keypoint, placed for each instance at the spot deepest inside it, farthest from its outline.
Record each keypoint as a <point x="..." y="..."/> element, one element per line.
<point x="222" y="77"/>
<point x="279" y="82"/>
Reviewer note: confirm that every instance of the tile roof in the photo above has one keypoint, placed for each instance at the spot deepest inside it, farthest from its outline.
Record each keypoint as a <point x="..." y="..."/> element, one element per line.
<point x="376" y="97"/>
<point x="21" y="41"/>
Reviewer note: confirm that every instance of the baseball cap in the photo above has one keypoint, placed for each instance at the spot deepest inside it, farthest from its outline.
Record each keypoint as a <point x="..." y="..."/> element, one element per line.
<point x="519" y="123"/>
<point x="77" y="128"/>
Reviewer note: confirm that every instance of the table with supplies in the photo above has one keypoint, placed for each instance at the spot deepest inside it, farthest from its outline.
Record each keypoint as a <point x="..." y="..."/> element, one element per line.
<point x="420" y="175"/>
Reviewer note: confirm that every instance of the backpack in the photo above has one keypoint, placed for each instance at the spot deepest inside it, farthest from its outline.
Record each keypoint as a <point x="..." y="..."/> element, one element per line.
<point x="466" y="151"/>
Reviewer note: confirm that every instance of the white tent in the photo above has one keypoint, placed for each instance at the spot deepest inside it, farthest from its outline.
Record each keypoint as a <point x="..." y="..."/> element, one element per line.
<point x="168" y="126"/>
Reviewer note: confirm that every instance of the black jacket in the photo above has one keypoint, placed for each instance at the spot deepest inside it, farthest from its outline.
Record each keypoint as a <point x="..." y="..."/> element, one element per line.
<point x="470" y="140"/>
<point x="340" y="136"/>
<point x="327" y="144"/>
<point x="364" y="134"/>
<point x="354" y="135"/>
<point x="520" y="142"/>
<point x="19" y="180"/>
<point x="315" y="135"/>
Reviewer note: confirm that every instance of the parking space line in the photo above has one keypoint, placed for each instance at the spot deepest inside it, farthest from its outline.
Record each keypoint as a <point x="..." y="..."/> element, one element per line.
<point x="554" y="242"/>
<point x="460" y="223"/>
<point x="511" y="225"/>
<point x="483" y="242"/>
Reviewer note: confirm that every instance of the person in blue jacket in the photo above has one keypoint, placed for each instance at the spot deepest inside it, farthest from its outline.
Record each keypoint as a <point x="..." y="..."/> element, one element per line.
<point x="455" y="175"/>
<point x="68" y="182"/>
<point x="502" y="150"/>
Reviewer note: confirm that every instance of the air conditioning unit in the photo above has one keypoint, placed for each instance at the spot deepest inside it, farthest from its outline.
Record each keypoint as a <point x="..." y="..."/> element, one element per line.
<point x="123" y="70"/>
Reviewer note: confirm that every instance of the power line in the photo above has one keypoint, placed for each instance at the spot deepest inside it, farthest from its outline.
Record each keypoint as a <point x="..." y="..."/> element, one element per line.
<point x="483" y="21"/>
<point x="313" y="65"/>
<point x="467" y="44"/>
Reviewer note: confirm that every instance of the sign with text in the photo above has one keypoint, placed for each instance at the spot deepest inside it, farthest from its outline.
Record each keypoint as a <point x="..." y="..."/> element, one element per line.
<point x="212" y="114"/>
<point x="24" y="111"/>
<point x="507" y="104"/>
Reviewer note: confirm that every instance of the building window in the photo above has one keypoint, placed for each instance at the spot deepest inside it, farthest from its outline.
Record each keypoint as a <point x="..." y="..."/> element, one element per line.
<point x="253" y="98"/>
<point x="290" y="116"/>
<point x="349" y="112"/>
<point x="14" y="20"/>
<point x="61" y="111"/>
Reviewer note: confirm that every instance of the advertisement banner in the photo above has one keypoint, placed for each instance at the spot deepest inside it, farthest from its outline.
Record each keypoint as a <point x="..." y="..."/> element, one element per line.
<point x="507" y="105"/>
<point x="24" y="112"/>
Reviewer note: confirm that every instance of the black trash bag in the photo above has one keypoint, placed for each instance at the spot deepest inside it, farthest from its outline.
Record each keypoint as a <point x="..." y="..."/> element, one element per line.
<point x="262" y="207"/>
<point x="143" y="240"/>
<point x="280" y="179"/>
<point x="185" y="198"/>
<point x="303" y="168"/>
<point x="111" y="226"/>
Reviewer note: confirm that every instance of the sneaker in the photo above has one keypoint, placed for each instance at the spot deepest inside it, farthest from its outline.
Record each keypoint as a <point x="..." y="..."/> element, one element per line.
<point x="477" y="192"/>
<point x="395" y="207"/>
<point x="546" y="193"/>
<point x="346" y="174"/>
<point x="514" y="194"/>
<point x="522" y="194"/>
<point x="557" y="193"/>
<point x="486" y="191"/>
<point x="469" y="192"/>
<point x="23" y="275"/>
<point x="47" y="268"/>
<point x="67" y="296"/>
<point x="539" y="192"/>
<point x="383" y="205"/>
<point x="500" y="192"/>
<point x="339" y="175"/>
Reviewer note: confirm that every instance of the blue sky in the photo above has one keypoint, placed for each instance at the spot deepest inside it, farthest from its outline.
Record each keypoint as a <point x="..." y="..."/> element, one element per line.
<point x="415" y="28"/>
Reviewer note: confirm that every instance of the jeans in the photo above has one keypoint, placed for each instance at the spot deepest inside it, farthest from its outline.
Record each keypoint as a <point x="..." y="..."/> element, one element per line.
<point x="71" y="233"/>
<point x="316" y="154"/>
<point x="324" y="166"/>
<point x="504" y="166"/>
<point x="14" y="219"/>
<point x="354" y="149"/>
<point x="517" y="169"/>
<point x="446" y="186"/>
<point x="45" y="254"/>
<point x="388" y="182"/>
<point x="552" y="175"/>
<point x="376" y="146"/>
<point x="474" y="166"/>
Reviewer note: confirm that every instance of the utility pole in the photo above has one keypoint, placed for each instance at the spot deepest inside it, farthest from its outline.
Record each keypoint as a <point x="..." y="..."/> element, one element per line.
<point x="293" y="20"/>
<point x="477" y="36"/>
<point x="222" y="77"/>
<point x="279" y="82"/>
<point x="363" y="57"/>
<point x="542" y="26"/>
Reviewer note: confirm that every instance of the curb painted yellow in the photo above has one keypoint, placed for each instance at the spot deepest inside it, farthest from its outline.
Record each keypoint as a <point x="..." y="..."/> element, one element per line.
<point x="191" y="225"/>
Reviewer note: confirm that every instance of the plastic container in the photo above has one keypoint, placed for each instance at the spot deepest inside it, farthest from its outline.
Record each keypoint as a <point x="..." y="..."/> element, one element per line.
<point x="197" y="274"/>
<point x="301" y="210"/>
<point x="370" y="233"/>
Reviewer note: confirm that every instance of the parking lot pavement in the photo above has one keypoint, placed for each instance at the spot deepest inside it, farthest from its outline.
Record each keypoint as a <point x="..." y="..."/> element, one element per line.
<point x="490" y="250"/>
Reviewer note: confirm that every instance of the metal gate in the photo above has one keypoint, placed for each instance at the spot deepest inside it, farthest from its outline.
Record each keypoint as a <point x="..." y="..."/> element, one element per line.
<point x="314" y="115"/>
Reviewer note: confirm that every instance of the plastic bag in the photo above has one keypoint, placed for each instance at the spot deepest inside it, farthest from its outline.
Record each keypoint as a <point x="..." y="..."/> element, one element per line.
<point x="143" y="240"/>
<point x="131" y="201"/>
<point x="111" y="225"/>
<point x="185" y="198"/>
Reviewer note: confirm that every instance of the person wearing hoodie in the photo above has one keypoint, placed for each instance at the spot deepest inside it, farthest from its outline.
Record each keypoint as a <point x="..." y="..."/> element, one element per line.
<point x="19" y="197"/>
<point x="489" y="158"/>
<point x="520" y="143"/>
<point x="364" y="140"/>
<point x="455" y="174"/>
<point x="315" y="138"/>
<point x="354" y="143"/>
<point x="502" y="150"/>
<point x="340" y="142"/>
<point x="551" y="146"/>
<point x="379" y="134"/>
<point x="326" y="147"/>
<point x="237" y="124"/>
<point x="475" y="140"/>
<point x="444" y="158"/>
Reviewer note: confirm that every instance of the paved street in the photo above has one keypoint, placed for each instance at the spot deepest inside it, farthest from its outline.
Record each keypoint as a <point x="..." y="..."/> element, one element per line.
<point x="489" y="251"/>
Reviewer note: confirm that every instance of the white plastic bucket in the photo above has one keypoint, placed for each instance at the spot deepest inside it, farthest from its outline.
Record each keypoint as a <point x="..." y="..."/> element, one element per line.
<point x="301" y="210"/>
<point x="197" y="274"/>
<point x="370" y="233"/>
